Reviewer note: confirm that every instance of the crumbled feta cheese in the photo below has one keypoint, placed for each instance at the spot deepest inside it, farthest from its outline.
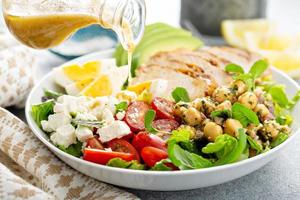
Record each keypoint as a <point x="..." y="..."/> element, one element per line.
<point x="117" y="129"/>
<point x="83" y="133"/>
<point x="120" y="115"/>
<point x="73" y="104"/>
<point x="86" y="116"/>
<point x="158" y="87"/>
<point x="107" y="116"/>
<point x="57" y="120"/>
<point x="64" y="136"/>
<point x="59" y="108"/>
<point x="46" y="127"/>
<point x="111" y="104"/>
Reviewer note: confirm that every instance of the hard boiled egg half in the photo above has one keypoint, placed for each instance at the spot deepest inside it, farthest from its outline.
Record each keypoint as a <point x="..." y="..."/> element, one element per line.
<point x="94" y="78"/>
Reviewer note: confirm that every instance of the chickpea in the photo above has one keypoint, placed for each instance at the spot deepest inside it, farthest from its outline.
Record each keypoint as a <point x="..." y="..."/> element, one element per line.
<point x="193" y="117"/>
<point x="239" y="86"/>
<point x="261" y="110"/>
<point x="180" y="108"/>
<point x="204" y="105"/>
<point x="226" y="105"/>
<point x="271" y="129"/>
<point x="231" y="126"/>
<point x="223" y="93"/>
<point x="212" y="131"/>
<point x="248" y="99"/>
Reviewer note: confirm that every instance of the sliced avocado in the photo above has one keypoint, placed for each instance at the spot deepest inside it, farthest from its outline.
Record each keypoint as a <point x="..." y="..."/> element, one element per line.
<point x="164" y="44"/>
<point x="155" y="35"/>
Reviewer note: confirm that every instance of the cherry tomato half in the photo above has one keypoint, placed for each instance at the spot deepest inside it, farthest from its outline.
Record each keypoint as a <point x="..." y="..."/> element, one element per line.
<point x="143" y="139"/>
<point x="135" y="115"/>
<point x="121" y="145"/>
<point x="102" y="157"/>
<point x="152" y="155"/>
<point x="164" y="108"/>
<point x="94" y="143"/>
<point x="167" y="125"/>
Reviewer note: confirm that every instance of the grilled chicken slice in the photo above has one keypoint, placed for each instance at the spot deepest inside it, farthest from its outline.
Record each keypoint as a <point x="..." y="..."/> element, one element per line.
<point x="234" y="55"/>
<point x="195" y="87"/>
<point x="200" y="72"/>
<point x="201" y="62"/>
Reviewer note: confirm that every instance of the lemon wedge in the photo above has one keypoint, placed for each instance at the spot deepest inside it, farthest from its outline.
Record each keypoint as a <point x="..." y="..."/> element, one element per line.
<point x="234" y="30"/>
<point x="288" y="62"/>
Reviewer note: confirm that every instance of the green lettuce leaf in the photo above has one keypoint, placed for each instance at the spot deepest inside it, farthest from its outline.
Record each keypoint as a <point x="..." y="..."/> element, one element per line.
<point x="180" y="94"/>
<point x="258" y="68"/>
<point x="221" y="113"/>
<point x="234" y="68"/>
<point x="235" y="154"/>
<point x="160" y="166"/>
<point x="121" y="106"/>
<point x="74" y="149"/>
<point x="254" y="145"/>
<point x="41" y="111"/>
<point x="281" y="137"/>
<point x="118" y="162"/>
<point x="181" y="135"/>
<point x="52" y="94"/>
<point x="186" y="160"/>
<point x="149" y="118"/>
<point x="244" y="115"/>
<point x="279" y="96"/>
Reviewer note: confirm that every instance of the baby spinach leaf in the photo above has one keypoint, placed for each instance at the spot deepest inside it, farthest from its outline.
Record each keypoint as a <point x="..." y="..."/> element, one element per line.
<point x="222" y="113"/>
<point x="160" y="166"/>
<point x="254" y="145"/>
<point x="49" y="94"/>
<point x="149" y="117"/>
<point x="186" y="160"/>
<point x="121" y="106"/>
<point x="234" y="68"/>
<point x="74" y="149"/>
<point x="279" y="96"/>
<point x="258" y="68"/>
<point x="236" y="153"/>
<point x="244" y="115"/>
<point x="180" y="94"/>
<point x="118" y="162"/>
<point x="281" y="137"/>
<point x="41" y="111"/>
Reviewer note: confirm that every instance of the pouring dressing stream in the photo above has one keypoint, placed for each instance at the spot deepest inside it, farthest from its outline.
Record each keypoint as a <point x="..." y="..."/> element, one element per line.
<point x="43" y="24"/>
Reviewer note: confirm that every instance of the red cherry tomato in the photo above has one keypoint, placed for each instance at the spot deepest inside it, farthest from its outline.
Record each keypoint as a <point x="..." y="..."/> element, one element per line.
<point x="121" y="145"/>
<point x="144" y="139"/>
<point x="128" y="137"/>
<point x="163" y="107"/>
<point x="135" y="115"/>
<point x="102" y="157"/>
<point x="167" y="125"/>
<point x="152" y="155"/>
<point x="172" y="166"/>
<point x="94" y="143"/>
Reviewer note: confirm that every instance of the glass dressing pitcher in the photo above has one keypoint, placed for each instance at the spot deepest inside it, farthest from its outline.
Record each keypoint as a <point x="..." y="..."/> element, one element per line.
<point x="44" y="24"/>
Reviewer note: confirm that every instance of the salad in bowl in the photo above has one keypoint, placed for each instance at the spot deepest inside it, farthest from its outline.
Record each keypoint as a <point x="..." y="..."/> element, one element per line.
<point x="186" y="108"/>
<point x="152" y="125"/>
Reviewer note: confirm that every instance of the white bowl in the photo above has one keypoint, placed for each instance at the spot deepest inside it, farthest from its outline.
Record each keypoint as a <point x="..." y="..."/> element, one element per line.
<point x="153" y="180"/>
